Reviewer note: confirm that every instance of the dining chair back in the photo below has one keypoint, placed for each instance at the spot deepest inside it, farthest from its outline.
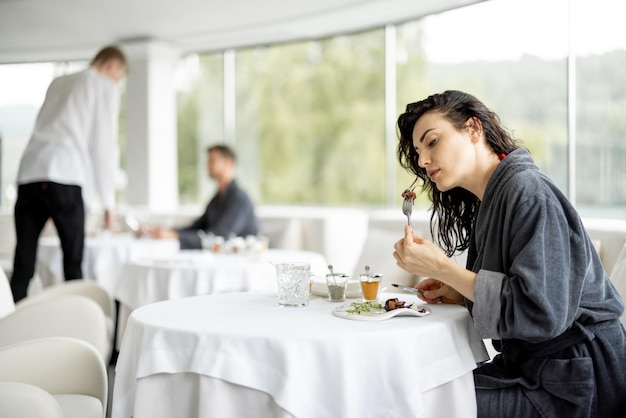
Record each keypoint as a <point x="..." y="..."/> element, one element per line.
<point x="7" y="306"/>
<point x="71" y="370"/>
<point x="64" y="316"/>
<point x="87" y="288"/>
<point x="23" y="400"/>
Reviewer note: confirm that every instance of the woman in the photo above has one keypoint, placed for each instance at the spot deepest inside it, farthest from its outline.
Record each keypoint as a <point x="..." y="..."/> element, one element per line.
<point x="534" y="283"/>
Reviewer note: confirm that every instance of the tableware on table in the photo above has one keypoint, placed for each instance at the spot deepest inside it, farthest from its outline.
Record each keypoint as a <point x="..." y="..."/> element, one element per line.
<point x="407" y="204"/>
<point x="337" y="283"/>
<point x="330" y="268"/>
<point x="261" y="243"/>
<point x="406" y="288"/>
<point x="371" y="311"/>
<point x="319" y="287"/>
<point x="206" y="240"/>
<point x="293" y="283"/>
<point x="370" y="286"/>
<point x="132" y="223"/>
<point x="311" y="280"/>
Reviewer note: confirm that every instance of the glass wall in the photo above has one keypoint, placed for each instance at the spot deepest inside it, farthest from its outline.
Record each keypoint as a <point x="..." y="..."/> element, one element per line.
<point x="310" y="115"/>
<point x="22" y="90"/>
<point x="308" y="118"/>
<point x="488" y="50"/>
<point x="200" y="81"/>
<point x="599" y="45"/>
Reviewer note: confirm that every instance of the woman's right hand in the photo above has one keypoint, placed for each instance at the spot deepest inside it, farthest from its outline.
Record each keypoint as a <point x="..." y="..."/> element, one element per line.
<point x="434" y="291"/>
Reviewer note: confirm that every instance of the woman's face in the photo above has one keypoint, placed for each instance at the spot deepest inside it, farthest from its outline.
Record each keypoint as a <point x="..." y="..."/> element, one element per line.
<point x="447" y="154"/>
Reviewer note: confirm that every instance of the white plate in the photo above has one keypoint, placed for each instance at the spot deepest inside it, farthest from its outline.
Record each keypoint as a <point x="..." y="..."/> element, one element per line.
<point x="379" y="314"/>
<point x="353" y="290"/>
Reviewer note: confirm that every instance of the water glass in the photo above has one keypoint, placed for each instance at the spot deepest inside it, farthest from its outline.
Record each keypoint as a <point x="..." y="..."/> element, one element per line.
<point x="293" y="283"/>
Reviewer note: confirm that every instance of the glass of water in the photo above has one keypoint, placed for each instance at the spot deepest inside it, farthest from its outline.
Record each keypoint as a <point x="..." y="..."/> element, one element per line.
<point x="293" y="283"/>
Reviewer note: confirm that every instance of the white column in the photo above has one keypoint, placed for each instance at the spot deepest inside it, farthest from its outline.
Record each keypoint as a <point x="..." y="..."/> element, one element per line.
<point x="151" y="141"/>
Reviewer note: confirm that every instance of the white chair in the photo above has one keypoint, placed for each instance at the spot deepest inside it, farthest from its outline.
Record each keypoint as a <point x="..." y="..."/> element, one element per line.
<point x="24" y="400"/>
<point x="70" y="370"/>
<point x="618" y="277"/>
<point x="84" y="288"/>
<point x="7" y="306"/>
<point x="63" y="316"/>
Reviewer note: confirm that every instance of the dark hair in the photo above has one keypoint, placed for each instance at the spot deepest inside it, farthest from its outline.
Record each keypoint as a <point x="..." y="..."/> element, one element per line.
<point x="224" y="150"/>
<point x="453" y="211"/>
<point x="109" y="53"/>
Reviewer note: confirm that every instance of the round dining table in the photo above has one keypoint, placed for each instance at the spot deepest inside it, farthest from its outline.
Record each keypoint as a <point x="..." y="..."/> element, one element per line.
<point x="153" y="278"/>
<point x="241" y="354"/>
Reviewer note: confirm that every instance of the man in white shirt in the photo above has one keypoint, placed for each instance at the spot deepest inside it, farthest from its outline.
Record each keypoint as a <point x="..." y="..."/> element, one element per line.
<point x="72" y="157"/>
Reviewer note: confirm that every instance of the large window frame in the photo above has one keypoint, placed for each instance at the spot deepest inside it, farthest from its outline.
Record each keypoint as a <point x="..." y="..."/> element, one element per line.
<point x="580" y="148"/>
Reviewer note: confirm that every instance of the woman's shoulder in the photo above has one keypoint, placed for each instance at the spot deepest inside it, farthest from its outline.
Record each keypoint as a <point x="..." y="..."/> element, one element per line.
<point x="519" y="175"/>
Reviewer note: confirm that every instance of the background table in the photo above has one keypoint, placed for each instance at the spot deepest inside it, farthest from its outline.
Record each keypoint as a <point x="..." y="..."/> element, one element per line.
<point x="230" y="354"/>
<point x="152" y="279"/>
<point x="103" y="257"/>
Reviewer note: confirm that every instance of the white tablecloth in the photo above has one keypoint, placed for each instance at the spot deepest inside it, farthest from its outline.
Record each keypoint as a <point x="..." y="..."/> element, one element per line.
<point x="191" y="273"/>
<point x="103" y="257"/>
<point x="302" y="361"/>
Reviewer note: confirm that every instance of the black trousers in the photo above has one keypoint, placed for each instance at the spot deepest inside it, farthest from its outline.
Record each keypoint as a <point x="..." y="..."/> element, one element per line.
<point x="36" y="203"/>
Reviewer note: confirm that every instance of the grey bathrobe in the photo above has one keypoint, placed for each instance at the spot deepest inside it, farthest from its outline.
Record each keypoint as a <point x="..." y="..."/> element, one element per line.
<point x="542" y="294"/>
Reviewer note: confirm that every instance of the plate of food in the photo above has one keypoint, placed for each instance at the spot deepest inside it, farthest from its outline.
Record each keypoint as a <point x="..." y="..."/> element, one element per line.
<point x="375" y="311"/>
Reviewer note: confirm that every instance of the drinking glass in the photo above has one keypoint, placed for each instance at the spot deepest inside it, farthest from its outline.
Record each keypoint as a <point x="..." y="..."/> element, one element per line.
<point x="370" y="286"/>
<point x="293" y="283"/>
<point x="337" y="284"/>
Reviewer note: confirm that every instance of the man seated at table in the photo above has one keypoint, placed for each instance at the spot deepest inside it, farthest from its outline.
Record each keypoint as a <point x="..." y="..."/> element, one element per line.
<point x="230" y="211"/>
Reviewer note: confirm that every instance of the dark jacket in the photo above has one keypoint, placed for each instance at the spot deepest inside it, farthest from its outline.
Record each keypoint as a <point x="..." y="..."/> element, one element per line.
<point x="227" y="214"/>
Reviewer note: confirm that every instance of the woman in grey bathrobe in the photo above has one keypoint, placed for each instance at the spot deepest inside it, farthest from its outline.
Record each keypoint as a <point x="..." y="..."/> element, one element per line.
<point x="533" y="281"/>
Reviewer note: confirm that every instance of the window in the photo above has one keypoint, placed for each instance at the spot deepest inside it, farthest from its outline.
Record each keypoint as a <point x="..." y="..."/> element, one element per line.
<point x="300" y="107"/>
<point x="23" y="88"/>
<point x="310" y="120"/>
<point x="487" y="50"/>
<point x="599" y="43"/>
<point x="200" y="83"/>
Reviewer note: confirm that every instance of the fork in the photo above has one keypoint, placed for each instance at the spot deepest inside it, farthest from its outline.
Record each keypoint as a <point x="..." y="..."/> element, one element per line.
<point x="407" y="209"/>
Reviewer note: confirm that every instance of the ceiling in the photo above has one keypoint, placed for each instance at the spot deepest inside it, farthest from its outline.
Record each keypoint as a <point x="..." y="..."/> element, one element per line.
<point x="48" y="30"/>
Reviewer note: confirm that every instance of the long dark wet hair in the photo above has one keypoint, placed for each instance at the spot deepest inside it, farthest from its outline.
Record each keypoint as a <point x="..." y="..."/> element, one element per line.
<point x="453" y="211"/>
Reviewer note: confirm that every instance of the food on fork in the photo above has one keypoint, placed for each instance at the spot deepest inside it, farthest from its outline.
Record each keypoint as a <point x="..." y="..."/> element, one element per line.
<point x="409" y="194"/>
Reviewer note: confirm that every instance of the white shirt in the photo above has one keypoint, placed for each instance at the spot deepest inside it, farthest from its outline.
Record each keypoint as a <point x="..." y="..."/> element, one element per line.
<point x="75" y="139"/>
